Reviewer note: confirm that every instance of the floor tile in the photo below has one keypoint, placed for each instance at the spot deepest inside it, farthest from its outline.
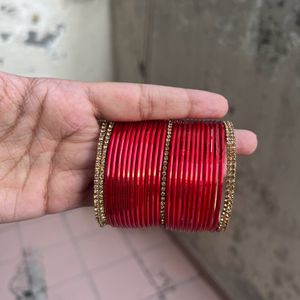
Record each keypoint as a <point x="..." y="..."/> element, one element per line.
<point x="8" y="270"/>
<point x="78" y="288"/>
<point x="124" y="281"/>
<point x="82" y="221"/>
<point x="168" y="265"/>
<point x="7" y="226"/>
<point x="142" y="239"/>
<point x="102" y="248"/>
<point x="196" y="289"/>
<point x="106" y="255"/>
<point x="43" y="232"/>
<point x="10" y="246"/>
<point x="61" y="263"/>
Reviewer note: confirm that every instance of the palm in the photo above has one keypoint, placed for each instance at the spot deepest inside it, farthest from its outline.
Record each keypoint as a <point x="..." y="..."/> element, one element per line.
<point x="48" y="135"/>
<point x="49" y="130"/>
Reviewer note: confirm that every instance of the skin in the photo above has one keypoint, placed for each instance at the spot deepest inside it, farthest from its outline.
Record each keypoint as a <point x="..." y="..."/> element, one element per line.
<point x="49" y="132"/>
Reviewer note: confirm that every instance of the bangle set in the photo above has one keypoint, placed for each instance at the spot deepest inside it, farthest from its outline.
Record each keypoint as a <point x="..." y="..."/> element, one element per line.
<point x="179" y="174"/>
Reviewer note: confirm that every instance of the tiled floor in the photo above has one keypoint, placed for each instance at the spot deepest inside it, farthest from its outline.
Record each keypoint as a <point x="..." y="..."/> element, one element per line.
<point x="77" y="260"/>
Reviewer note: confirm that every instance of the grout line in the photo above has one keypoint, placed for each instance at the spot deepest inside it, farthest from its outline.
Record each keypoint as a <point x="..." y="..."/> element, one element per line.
<point x="149" y="248"/>
<point x="137" y="257"/>
<point x="161" y="291"/>
<point x="103" y="267"/>
<point x="202" y="273"/>
<point x="174" y="286"/>
<point x="39" y="248"/>
<point x="45" y="248"/>
<point x="86" y="235"/>
<point x="75" y="244"/>
<point x="67" y="280"/>
<point x="112" y="264"/>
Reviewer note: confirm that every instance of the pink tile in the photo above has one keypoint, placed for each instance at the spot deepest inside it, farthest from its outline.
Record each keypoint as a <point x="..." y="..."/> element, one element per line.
<point x="142" y="239"/>
<point x="82" y="221"/>
<point x="7" y="271"/>
<point x="61" y="263"/>
<point x="7" y="226"/>
<point x="76" y="289"/>
<point x="124" y="281"/>
<point x="42" y="232"/>
<point x="197" y="289"/>
<point x="168" y="265"/>
<point x="10" y="246"/>
<point x="102" y="248"/>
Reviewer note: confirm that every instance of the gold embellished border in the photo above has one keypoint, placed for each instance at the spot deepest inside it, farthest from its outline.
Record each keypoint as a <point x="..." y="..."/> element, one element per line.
<point x="104" y="137"/>
<point x="164" y="173"/>
<point x="230" y="176"/>
<point x="103" y="125"/>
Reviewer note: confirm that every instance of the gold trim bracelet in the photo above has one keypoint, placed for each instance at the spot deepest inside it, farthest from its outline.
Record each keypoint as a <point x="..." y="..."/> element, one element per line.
<point x="104" y="137"/>
<point x="230" y="176"/>
<point x="164" y="174"/>
<point x="139" y="187"/>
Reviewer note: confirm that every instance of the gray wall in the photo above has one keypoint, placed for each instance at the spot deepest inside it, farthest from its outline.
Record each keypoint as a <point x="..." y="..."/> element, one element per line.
<point x="250" y="52"/>
<point x="54" y="39"/>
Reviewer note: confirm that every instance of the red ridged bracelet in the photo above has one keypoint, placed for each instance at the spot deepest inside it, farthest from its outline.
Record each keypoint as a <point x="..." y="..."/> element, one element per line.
<point x="179" y="174"/>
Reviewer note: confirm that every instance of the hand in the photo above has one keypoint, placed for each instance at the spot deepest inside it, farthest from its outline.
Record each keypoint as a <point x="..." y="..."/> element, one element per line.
<point x="49" y="132"/>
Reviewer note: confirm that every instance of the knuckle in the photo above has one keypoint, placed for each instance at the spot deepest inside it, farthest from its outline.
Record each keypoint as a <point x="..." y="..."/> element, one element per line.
<point x="145" y="103"/>
<point x="190" y="104"/>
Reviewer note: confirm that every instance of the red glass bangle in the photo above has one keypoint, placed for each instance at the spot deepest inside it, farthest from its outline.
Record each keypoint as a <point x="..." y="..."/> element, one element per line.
<point x="194" y="219"/>
<point x="205" y="182"/>
<point x="214" y="178"/>
<point x="199" y="184"/>
<point x="191" y="181"/>
<point x="211" y="163"/>
<point x="180" y="174"/>
<point x="149" y="177"/>
<point x="220" y="174"/>
<point x="124" y="176"/>
<point x="187" y="181"/>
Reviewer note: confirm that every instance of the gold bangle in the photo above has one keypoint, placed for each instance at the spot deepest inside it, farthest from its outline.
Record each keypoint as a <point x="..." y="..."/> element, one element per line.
<point x="164" y="174"/>
<point x="104" y="137"/>
<point x="230" y="176"/>
<point x="103" y="125"/>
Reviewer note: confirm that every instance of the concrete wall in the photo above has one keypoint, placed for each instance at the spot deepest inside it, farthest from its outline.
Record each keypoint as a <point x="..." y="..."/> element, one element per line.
<point x="250" y="52"/>
<point x="58" y="38"/>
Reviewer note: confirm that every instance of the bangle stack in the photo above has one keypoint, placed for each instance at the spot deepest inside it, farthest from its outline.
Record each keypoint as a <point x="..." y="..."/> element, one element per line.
<point x="169" y="173"/>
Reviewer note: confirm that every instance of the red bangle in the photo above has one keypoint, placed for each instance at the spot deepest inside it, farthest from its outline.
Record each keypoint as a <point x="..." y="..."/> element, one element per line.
<point x="220" y="174"/>
<point x="205" y="177"/>
<point x="165" y="172"/>
<point x="211" y="179"/>
<point x="213" y="199"/>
